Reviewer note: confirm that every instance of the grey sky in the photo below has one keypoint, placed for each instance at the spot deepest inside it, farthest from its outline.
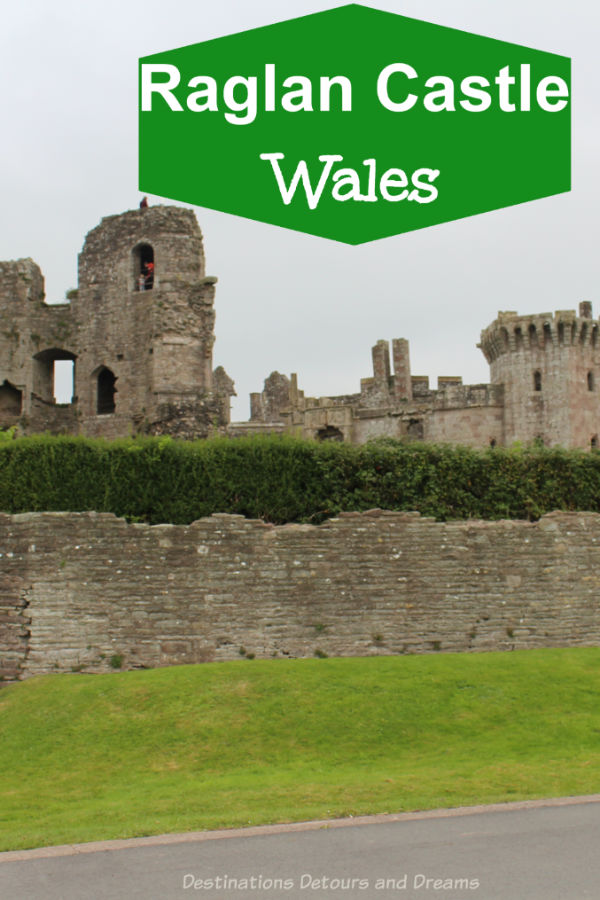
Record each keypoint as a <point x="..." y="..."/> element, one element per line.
<point x="289" y="301"/>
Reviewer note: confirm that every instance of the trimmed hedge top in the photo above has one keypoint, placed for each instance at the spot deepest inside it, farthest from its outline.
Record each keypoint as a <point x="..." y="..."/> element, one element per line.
<point x="282" y="479"/>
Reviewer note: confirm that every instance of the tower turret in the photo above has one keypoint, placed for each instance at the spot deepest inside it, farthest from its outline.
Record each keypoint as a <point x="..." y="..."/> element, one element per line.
<point x="549" y="366"/>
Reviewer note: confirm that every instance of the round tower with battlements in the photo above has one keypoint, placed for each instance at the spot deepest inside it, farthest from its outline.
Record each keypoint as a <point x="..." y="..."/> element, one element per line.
<point x="549" y="366"/>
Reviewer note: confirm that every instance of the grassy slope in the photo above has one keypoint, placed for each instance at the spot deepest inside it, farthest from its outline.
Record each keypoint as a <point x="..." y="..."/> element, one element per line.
<point x="229" y="744"/>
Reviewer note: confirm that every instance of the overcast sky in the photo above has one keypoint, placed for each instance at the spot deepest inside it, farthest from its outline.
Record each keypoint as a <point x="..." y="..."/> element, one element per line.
<point x="285" y="300"/>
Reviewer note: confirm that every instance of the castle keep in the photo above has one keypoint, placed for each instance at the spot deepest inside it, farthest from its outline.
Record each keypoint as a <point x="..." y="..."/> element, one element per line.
<point x="141" y="347"/>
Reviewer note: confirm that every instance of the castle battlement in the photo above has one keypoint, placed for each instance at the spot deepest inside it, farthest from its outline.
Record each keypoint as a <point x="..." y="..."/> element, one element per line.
<point x="544" y="369"/>
<point x="512" y="333"/>
<point x="139" y="334"/>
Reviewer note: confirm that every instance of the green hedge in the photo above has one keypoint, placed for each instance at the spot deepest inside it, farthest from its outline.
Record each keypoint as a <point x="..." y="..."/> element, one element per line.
<point x="282" y="479"/>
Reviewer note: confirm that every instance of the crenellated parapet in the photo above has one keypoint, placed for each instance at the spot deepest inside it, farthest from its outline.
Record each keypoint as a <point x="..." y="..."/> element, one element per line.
<point x="549" y="366"/>
<point x="138" y="334"/>
<point x="512" y="333"/>
<point x="392" y="403"/>
<point x="544" y="387"/>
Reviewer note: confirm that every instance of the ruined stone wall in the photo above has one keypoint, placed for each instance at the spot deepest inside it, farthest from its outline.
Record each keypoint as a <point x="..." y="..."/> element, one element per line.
<point x="467" y="414"/>
<point x="78" y="590"/>
<point x="142" y="358"/>
<point x="454" y="413"/>
<point x="53" y="418"/>
<point x="157" y="342"/>
<point x="398" y="405"/>
<point x="475" y="427"/>
<point x="545" y="385"/>
<point x="32" y="336"/>
<point x="267" y="405"/>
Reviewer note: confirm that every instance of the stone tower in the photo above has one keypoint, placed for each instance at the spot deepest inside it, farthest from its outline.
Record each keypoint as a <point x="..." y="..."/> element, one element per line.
<point x="139" y="330"/>
<point x="549" y="366"/>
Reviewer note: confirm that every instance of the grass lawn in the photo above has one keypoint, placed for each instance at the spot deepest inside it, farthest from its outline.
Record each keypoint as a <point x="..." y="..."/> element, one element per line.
<point x="87" y="757"/>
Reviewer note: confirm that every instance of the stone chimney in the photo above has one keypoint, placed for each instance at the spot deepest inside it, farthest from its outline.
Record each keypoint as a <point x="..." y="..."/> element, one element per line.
<point x="402" y="379"/>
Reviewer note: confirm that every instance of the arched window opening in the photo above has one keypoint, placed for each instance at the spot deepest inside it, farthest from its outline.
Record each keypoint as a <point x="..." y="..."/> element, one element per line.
<point x="11" y="401"/>
<point x="561" y="332"/>
<point x="518" y="338"/>
<point x="590" y="381"/>
<point x="143" y="267"/>
<point x="329" y="434"/>
<point x="537" y="380"/>
<point x="533" y="338"/>
<point x="106" y="392"/>
<point x="547" y="333"/>
<point x="493" y="443"/>
<point x="54" y="375"/>
<point x="504" y="338"/>
<point x="594" y="442"/>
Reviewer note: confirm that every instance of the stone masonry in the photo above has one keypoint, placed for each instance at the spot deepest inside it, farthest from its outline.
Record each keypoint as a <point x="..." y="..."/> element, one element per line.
<point x="545" y="370"/>
<point x="141" y="347"/>
<point x="87" y="591"/>
<point x="143" y="359"/>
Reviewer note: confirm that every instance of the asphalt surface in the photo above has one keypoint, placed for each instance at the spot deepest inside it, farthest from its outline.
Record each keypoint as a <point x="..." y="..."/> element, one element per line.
<point x="516" y="852"/>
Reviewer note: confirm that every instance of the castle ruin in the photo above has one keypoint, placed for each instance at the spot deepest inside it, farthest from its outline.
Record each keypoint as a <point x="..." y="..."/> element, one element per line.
<point x="79" y="590"/>
<point x="141" y="349"/>
<point x="543" y="388"/>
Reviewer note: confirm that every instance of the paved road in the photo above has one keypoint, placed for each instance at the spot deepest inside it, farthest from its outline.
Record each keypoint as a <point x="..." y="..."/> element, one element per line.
<point x="541" y="853"/>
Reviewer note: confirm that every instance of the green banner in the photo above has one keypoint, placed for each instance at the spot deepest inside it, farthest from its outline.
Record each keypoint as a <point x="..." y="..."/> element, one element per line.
<point x="355" y="124"/>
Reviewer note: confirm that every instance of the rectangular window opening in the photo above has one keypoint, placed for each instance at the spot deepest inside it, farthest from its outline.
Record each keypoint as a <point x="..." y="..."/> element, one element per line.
<point x="64" y="380"/>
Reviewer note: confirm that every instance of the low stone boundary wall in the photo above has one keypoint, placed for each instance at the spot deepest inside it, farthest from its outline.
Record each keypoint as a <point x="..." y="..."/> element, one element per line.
<point x="89" y="592"/>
